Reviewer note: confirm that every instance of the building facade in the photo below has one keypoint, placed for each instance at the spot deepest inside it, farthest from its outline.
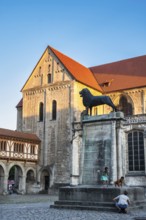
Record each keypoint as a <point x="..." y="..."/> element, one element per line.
<point x="52" y="109"/>
<point x="18" y="161"/>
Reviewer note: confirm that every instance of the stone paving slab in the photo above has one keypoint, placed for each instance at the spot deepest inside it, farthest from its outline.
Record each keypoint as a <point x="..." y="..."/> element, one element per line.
<point x="14" y="198"/>
<point x="40" y="209"/>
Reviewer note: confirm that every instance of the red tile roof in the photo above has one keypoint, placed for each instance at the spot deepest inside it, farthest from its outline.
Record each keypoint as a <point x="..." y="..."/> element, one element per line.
<point x="6" y="133"/>
<point x="125" y="74"/>
<point x="79" y="72"/>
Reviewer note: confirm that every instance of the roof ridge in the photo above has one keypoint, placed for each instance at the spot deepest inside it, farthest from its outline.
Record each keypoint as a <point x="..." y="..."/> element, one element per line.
<point x="119" y="61"/>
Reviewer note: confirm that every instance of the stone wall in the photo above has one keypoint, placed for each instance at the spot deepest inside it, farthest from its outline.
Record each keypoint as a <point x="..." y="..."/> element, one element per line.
<point x="57" y="136"/>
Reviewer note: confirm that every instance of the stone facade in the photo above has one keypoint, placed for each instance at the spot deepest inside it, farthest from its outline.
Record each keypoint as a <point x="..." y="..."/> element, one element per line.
<point x="61" y="143"/>
<point x="56" y="134"/>
<point x="52" y="109"/>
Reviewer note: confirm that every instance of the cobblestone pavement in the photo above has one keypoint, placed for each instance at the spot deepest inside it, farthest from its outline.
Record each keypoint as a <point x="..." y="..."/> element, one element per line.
<point x="36" y="207"/>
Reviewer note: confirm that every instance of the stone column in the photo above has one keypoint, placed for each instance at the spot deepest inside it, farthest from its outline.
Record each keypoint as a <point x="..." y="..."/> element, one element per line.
<point x="23" y="184"/>
<point x="113" y="175"/>
<point x="76" y="143"/>
<point x="145" y="145"/>
<point x="119" y="154"/>
<point x="5" y="187"/>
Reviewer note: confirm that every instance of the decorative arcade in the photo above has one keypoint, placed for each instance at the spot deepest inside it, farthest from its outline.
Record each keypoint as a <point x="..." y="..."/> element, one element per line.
<point x="18" y="161"/>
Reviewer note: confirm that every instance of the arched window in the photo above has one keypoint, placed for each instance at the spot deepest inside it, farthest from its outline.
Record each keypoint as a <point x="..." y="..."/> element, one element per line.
<point x="125" y="106"/>
<point x="54" y="110"/>
<point x="136" y="151"/>
<point x="41" y="111"/>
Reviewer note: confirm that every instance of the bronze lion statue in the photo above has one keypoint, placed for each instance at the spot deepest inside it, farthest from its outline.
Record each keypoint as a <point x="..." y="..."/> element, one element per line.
<point x="89" y="100"/>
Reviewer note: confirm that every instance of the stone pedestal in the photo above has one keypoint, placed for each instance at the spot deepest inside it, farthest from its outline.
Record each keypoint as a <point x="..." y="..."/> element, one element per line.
<point x="99" y="148"/>
<point x="99" y="193"/>
<point x="98" y="197"/>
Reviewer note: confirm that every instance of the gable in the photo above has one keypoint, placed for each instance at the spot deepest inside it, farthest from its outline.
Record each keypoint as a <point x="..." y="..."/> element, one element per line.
<point x="61" y="68"/>
<point x="48" y="70"/>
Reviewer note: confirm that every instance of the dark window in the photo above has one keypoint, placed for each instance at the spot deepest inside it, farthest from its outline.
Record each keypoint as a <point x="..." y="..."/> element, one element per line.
<point x="40" y="69"/>
<point x="136" y="151"/>
<point x="41" y="111"/>
<point x="49" y="78"/>
<point x="125" y="106"/>
<point x="18" y="148"/>
<point x="32" y="149"/>
<point x="15" y="147"/>
<point x="49" y="68"/>
<point x="57" y="66"/>
<point x="21" y="148"/>
<point x="2" y="145"/>
<point x="54" y="110"/>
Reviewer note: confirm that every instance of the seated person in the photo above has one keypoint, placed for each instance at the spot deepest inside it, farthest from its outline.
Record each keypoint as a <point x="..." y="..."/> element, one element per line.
<point x="104" y="176"/>
<point x="119" y="182"/>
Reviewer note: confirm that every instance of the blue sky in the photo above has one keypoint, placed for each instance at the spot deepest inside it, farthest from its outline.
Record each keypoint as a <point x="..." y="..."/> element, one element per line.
<point x="92" y="32"/>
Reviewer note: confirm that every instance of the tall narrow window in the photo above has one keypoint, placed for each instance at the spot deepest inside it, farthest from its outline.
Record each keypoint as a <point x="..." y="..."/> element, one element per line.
<point x="54" y="110"/>
<point x="136" y="151"/>
<point x="15" y="147"/>
<point x="40" y="70"/>
<point x="49" y="68"/>
<point x="49" y="78"/>
<point x="41" y="111"/>
<point x="21" y="148"/>
<point x="2" y="145"/>
<point x="32" y="149"/>
<point x="57" y="66"/>
<point x="18" y="148"/>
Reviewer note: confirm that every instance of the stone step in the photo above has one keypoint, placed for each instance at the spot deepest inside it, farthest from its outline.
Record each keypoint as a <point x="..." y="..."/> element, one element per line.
<point x="89" y="205"/>
<point x="91" y="208"/>
<point x="84" y="203"/>
<point x="81" y="207"/>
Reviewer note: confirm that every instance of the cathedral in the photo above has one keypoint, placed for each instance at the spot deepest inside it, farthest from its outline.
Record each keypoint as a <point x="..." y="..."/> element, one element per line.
<point x="46" y="149"/>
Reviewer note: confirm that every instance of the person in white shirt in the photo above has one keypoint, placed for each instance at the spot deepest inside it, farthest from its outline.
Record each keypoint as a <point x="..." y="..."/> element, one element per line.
<point x="122" y="202"/>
